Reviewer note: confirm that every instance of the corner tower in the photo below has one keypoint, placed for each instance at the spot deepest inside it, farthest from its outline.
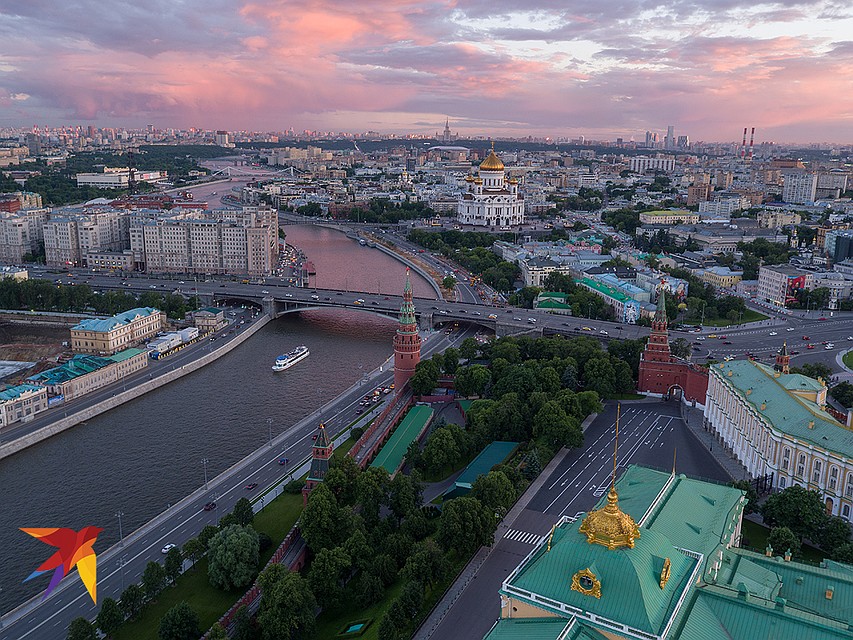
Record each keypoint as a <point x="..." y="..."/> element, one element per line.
<point x="407" y="342"/>
<point x="320" y="454"/>
<point x="657" y="349"/>
<point x="783" y="360"/>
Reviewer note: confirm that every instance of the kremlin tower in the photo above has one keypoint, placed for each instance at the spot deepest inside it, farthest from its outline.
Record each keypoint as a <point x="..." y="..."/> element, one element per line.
<point x="320" y="454"/>
<point x="407" y="342"/>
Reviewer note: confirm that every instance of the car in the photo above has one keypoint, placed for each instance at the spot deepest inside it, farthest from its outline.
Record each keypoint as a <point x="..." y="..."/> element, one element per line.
<point x="722" y="337"/>
<point x="358" y="412"/>
<point x="222" y="285"/>
<point x="828" y="347"/>
<point x="794" y="352"/>
<point x="773" y="333"/>
<point x="264" y="291"/>
<point x="330" y="299"/>
<point x="462" y="311"/>
<point x="251" y="486"/>
<point x="586" y="328"/>
<point x="315" y="297"/>
<point x="713" y="335"/>
<point x="181" y="282"/>
<point x="477" y="313"/>
<point x="339" y="293"/>
<point x="492" y="316"/>
<point x="822" y="318"/>
<point x="603" y="332"/>
<point x="790" y="329"/>
<point x="729" y="358"/>
<point x="700" y="338"/>
<point x="806" y="338"/>
<point x="531" y="319"/>
<point x="374" y="302"/>
<point x="443" y="312"/>
<point x="727" y="341"/>
<point x="282" y="461"/>
<point x="154" y="286"/>
<point x="386" y="298"/>
<point x="168" y="548"/>
<point x="850" y="338"/>
<point x="288" y="295"/>
<point x="517" y="319"/>
<point x="210" y="506"/>
<point x="810" y="346"/>
<point x="695" y="347"/>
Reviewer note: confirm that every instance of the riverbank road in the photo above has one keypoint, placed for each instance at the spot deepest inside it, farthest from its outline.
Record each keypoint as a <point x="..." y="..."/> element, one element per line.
<point x="650" y="432"/>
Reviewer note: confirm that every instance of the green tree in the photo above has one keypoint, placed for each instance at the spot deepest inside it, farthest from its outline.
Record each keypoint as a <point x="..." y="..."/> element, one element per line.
<point x="372" y="490"/>
<point x="174" y="564"/>
<point x="233" y="557"/>
<point x="206" y="535"/>
<point x="287" y="608"/>
<point x="782" y="539"/>
<point x="243" y="512"/>
<point x="681" y="348"/>
<point x="449" y="282"/>
<point x="132" y="599"/>
<point x="404" y="495"/>
<point x="468" y="349"/>
<point x="359" y="550"/>
<point x="800" y="510"/>
<point x="440" y="451"/>
<point x="427" y="564"/>
<point x="153" y="579"/>
<point x="600" y="376"/>
<point x="834" y="533"/>
<point x="451" y="360"/>
<point x="242" y="624"/>
<point x="532" y="464"/>
<point x="843" y="553"/>
<point x="81" y="629"/>
<point x="751" y="495"/>
<point x="179" y="623"/>
<point x="217" y="632"/>
<point x="555" y="428"/>
<point x="368" y="589"/>
<point x="843" y="394"/>
<point x="465" y="525"/>
<point x="193" y="550"/>
<point x="326" y="575"/>
<point x="411" y="598"/>
<point x="425" y="378"/>
<point x="495" y="491"/>
<point x="814" y="370"/>
<point x="110" y="617"/>
<point x="323" y="523"/>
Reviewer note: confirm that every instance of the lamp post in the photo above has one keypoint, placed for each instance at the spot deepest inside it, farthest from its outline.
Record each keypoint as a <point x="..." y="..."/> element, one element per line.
<point x="119" y="514"/>
<point x="702" y="319"/>
<point x="204" y="462"/>
<point x="269" y="426"/>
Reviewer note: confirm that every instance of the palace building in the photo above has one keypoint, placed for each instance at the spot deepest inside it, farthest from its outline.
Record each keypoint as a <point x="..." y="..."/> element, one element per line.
<point x="657" y="560"/>
<point x="661" y="373"/>
<point x="777" y="424"/>
<point x="492" y="199"/>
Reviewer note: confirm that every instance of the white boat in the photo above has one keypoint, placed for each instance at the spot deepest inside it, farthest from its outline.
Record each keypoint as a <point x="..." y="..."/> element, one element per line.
<point x="290" y="358"/>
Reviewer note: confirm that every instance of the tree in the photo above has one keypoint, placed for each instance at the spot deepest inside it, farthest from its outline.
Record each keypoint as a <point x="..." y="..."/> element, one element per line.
<point x="81" y="629"/>
<point x="681" y="348"/>
<point x="451" y="360"/>
<point x="800" y="510"/>
<point x="834" y="533"/>
<point x="532" y="464"/>
<point x="287" y="608"/>
<point x="495" y="491"/>
<point x="843" y="394"/>
<point x="448" y="282"/>
<point x="385" y="568"/>
<point x="243" y="512"/>
<point x="427" y="563"/>
<point x="110" y="617"/>
<point x="193" y="550"/>
<point x="323" y="522"/>
<point x="600" y="376"/>
<point x="179" y="623"/>
<point x="425" y="378"/>
<point x="326" y="574"/>
<point x="217" y="632"/>
<point x="472" y="380"/>
<point x="359" y="550"/>
<point x="371" y="492"/>
<point x="233" y="557"/>
<point x="843" y="553"/>
<point x="751" y="495"/>
<point x="404" y="495"/>
<point x="440" y="451"/>
<point x="174" y="564"/>
<point x="131" y="600"/>
<point x="153" y="579"/>
<point x="465" y="525"/>
<point x="411" y="598"/>
<point x="782" y="539"/>
<point x="555" y="428"/>
<point x="368" y="589"/>
<point x="814" y="370"/>
<point x="243" y="628"/>
<point x="206" y="535"/>
<point x="468" y="349"/>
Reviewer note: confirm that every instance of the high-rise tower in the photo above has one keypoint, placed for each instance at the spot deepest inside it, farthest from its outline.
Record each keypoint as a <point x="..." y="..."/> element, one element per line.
<point x="407" y="342"/>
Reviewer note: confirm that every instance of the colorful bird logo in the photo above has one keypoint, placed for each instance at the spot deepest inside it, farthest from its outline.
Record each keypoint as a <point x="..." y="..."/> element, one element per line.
<point x="75" y="548"/>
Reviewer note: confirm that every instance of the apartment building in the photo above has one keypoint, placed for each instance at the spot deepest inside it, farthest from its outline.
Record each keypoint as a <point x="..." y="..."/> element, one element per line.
<point x="799" y="187"/>
<point x="669" y="217"/>
<point x="776" y="424"/>
<point x="773" y="219"/>
<point x="106" y="336"/>
<point x="641" y="164"/>
<point x="777" y="283"/>
<point x="21" y="403"/>
<point x="20" y="234"/>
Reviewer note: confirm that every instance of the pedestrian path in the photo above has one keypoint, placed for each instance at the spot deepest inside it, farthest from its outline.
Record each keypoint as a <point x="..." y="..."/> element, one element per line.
<point x="693" y="419"/>
<point x="524" y="537"/>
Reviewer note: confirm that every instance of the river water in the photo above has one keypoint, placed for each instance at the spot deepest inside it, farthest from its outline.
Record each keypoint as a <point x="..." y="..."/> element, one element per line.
<point x="146" y="454"/>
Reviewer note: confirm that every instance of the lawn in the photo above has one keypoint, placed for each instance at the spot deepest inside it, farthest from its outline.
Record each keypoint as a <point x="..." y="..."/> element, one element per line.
<point x="756" y="536"/>
<point x="208" y="602"/>
<point x="848" y="359"/>
<point x="447" y="471"/>
<point x="748" y="316"/>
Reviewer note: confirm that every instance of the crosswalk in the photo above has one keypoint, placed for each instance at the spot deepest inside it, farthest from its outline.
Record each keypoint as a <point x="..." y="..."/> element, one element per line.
<point x="524" y="537"/>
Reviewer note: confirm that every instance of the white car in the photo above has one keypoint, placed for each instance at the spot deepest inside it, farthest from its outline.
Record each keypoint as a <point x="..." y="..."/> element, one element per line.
<point x="729" y="358"/>
<point x="789" y="329"/>
<point x="265" y="292"/>
<point x="288" y="295"/>
<point x="850" y="338"/>
<point x="829" y="347"/>
<point x="167" y="548"/>
<point x="774" y="333"/>
<point x="603" y="332"/>
<point x="700" y="337"/>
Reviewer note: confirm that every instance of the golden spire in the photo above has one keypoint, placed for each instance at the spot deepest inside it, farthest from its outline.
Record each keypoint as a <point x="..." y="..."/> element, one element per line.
<point x="610" y="526"/>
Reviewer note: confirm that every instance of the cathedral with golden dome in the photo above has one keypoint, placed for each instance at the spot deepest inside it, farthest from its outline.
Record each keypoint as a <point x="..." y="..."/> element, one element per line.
<point x="491" y="199"/>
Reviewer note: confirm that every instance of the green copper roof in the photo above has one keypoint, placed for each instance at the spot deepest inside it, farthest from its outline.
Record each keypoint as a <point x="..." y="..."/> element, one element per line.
<point x="784" y="410"/>
<point x="125" y="355"/>
<point x="529" y="629"/>
<point x="621" y="571"/>
<point x="610" y="292"/>
<point x="552" y="303"/>
<point x="390" y="457"/>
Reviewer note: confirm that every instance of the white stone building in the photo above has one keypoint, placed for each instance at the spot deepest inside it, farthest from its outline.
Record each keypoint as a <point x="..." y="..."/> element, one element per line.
<point x="491" y="200"/>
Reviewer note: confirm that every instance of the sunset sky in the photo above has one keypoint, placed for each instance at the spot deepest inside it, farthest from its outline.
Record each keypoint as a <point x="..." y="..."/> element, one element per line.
<point x="542" y="67"/>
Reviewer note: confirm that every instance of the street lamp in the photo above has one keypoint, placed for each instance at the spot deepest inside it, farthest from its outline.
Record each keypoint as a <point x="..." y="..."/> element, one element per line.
<point x="269" y="426"/>
<point x="119" y="514"/>
<point x="204" y="461"/>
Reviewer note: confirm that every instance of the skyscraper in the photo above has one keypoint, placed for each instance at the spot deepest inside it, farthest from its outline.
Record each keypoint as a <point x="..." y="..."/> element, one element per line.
<point x="669" y="141"/>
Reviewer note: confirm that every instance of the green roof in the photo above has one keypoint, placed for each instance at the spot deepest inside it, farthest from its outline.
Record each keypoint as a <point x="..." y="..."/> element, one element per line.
<point x="13" y="393"/>
<point x="784" y="410"/>
<point x="77" y="366"/>
<point x="125" y="355"/>
<point x="528" y="629"/>
<point x="553" y="294"/>
<point x="669" y="212"/>
<point x="610" y="292"/>
<point x="465" y="404"/>
<point x="552" y="304"/>
<point x="391" y="456"/>
<point x="108" y="324"/>
<point x="493" y="454"/>
<point x="621" y="571"/>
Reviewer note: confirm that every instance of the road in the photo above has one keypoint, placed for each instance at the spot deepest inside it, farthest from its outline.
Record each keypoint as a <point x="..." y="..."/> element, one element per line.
<point x="650" y="432"/>
<point x="122" y="564"/>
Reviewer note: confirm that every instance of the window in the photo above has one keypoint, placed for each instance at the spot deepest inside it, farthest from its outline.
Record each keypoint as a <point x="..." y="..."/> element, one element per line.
<point x="845" y="511"/>
<point x="801" y="465"/>
<point x="782" y="482"/>
<point x="786" y="458"/>
<point x="848" y="490"/>
<point x="816" y="467"/>
<point x="833" y="478"/>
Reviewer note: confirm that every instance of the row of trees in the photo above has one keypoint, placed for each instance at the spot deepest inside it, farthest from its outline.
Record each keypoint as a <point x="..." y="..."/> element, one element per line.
<point x="42" y="295"/>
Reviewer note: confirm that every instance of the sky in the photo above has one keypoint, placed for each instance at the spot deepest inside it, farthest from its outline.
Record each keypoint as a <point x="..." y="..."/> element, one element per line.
<point x="495" y="67"/>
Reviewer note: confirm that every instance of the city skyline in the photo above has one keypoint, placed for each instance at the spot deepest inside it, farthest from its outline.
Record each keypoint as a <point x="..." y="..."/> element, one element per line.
<point x="547" y="69"/>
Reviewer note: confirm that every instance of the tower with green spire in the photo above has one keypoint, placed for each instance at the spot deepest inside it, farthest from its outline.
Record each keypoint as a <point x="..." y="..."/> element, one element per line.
<point x="407" y="342"/>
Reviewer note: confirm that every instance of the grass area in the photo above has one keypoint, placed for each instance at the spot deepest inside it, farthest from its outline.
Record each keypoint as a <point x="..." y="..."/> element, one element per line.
<point x="755" y="536"/>
<point x="276" y="519"/>
<point x="342" y="449"/>
<point x="209" y="603"/>
<point x="748" y="316"/>
<point x="329" y="623"/>
<point x="848" y="359"/>
<point x="447" y="471"/>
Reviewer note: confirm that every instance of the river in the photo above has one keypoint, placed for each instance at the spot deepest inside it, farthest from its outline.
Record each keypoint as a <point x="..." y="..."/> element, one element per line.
<point x="141" y="457"/>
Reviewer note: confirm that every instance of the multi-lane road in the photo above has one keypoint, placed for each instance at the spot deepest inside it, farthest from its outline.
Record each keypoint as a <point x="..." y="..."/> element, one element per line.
<point x="122" y="564"/>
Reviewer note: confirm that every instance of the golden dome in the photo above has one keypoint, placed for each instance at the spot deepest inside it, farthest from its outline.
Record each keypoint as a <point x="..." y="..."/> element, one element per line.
<point x="469" y="178"/>
<point x="478" y="181"/>
<point x="513" y="180"/>
<point x="492" y="162"/>
<point x="610" y="526"/>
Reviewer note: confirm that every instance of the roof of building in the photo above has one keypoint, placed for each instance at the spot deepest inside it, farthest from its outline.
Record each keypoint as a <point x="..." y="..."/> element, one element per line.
<point x="492" y="162"/>
<point x="529" y="629"/>
<point x="550" y="303"/>
<point x="77" y="366"/>
<point x="553" y="294"/>
<point x="770" y="394"/>
<point x="13" y="393"/>
<point x="121" y="356"/>
<point x="610" y="292"/>
<point x="108" y="324"/>
<point x="213" y="310"/>
<point x="495" y="453"/>
<point x="391" y="456"/>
